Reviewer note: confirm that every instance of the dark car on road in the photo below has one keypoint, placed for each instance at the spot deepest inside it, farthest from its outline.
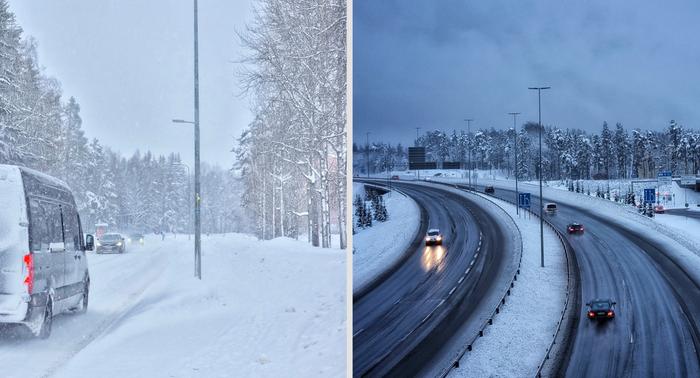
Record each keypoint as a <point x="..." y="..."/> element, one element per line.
<point x="575" y="228"/>
<point x="111" y="243"/>
<point x="489" y="189"/>
<point x="43" y="267"/>
<point x="601" y="309"/>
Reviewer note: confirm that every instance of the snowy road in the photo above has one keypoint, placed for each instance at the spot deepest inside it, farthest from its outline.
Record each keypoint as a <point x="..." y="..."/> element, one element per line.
<point x="655" y="297"/>
<point x="404" y="322"/>
<point x="262" y="309"/>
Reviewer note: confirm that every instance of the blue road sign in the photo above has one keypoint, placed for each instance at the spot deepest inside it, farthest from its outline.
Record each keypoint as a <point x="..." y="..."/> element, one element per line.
<point x="524" y="200"/>
<point x="649" y="195"/>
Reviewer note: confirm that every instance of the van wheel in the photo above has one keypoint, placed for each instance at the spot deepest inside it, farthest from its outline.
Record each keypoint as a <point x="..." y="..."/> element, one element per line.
<point x="45" y="329"/>
<point x="84" y="300"/>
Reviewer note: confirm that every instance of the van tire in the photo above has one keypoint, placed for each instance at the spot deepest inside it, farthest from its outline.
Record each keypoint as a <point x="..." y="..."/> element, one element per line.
<point x="45" y="328"/>
<point x="85" y="299"/>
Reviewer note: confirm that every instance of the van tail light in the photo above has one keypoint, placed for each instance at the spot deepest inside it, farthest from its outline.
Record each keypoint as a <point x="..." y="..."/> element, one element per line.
<point x="591" y="314"/>
<point x="610" y="314"/>
<point x="29" y="279"/>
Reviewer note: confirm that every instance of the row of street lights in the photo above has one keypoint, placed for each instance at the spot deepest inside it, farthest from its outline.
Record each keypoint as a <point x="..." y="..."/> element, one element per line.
<point x="515" y="151"/>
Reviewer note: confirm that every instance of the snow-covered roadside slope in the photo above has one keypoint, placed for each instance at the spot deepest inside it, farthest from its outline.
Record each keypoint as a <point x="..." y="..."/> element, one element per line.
<point x="378" y="247"/>
<point x="516" y="342"/>
<point x="263" y="309"/>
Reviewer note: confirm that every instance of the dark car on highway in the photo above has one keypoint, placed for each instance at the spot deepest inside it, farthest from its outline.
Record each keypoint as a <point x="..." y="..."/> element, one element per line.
<point x="575" y="228"/>
<point x="489" y="189"/>
<point x="111" y="243"/>
<point x="601" y="309"/>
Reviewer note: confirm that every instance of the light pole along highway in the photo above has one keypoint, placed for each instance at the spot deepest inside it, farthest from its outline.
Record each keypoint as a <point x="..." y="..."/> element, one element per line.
<point x="539" y="164"/>
<point x="515" y="153"/>
<point x="469" y="130"/>
<point x="197" y="198"/>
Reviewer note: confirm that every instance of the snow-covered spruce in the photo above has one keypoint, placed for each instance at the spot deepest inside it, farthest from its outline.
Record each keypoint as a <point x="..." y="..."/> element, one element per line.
<point x="567" y="153"/>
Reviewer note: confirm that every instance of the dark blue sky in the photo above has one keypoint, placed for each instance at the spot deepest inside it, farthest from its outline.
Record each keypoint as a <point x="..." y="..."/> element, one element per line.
<point x="431" y="64"/>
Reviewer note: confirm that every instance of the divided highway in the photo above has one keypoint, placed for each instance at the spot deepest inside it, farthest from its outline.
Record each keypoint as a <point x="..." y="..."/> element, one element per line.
<point x="658" y="304"/>
<point x="401" y="324"/>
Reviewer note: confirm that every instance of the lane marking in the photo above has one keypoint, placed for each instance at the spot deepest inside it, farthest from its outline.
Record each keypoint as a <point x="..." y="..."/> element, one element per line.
<point x="358" y="332"/>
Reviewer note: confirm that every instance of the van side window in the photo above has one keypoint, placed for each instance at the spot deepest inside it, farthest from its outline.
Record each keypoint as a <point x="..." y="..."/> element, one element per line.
<point x="46" y="224"/>
<point x="70" y="228"/>
<point x="38" y="228"/>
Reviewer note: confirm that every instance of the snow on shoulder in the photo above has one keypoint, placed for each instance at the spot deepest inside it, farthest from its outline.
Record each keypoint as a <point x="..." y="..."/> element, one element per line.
<point x="262" y="309"/>
<point x="378" y="247"/>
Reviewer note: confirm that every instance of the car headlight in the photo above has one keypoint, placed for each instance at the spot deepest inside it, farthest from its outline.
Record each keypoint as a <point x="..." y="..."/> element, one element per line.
<point x="119" y="243"/>
<point x="439" y="238"/>
<point x="97" y="243"/>
<point x="128" y="240"/>
<point x="427" y="238"/>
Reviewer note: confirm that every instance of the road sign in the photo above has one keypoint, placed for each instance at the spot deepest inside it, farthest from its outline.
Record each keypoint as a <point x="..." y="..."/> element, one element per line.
<point x="524" y="200"/>
<point x="422" y="165"/>
<point x="649" y="195"/>
<point x="451" y="165"/>
<point x="688" y="180"/>
<point x="416" y="154"/>
<point x="664" y="178"/>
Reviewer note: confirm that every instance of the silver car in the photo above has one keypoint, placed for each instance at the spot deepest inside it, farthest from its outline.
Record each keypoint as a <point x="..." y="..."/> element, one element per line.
<point x="43" y="268"/>
<point x="111" y="243"/>
<point x="433" y="237"/>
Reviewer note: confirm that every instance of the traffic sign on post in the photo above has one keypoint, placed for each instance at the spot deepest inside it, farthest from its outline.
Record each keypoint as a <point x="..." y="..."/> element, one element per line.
<point x="664" y="178"/>
<point x="688" y="180"/>
<point x="649" y="195"/>
<point x="524" y="200"/>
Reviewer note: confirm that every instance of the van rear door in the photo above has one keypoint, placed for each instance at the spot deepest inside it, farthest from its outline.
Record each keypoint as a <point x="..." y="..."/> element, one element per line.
<point x="13" y="244"/>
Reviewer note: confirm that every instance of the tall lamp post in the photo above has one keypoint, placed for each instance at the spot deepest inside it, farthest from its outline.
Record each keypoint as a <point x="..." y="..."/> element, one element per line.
<point x="367" y="151"/>
<point x="515" y="152"/>
<point x="469" y="130"/>
<point x="539" y="123"/>
<point x="197" y="200"/>
<point x="197" y="187"/>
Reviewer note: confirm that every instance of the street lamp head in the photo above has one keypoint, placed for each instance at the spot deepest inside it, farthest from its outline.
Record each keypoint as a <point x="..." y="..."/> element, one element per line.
<point x="539" y="88"/>
<point x="181" y="121"/>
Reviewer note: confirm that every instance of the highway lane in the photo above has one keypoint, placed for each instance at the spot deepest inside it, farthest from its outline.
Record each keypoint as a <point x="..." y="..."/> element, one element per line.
<point x="401" y="324"/>
<point x="684" y="213"/>
<point x="653" y="332"/>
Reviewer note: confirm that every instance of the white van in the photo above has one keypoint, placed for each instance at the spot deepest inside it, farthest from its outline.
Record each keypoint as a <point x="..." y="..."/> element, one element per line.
<point x="43" y="267"/>
<point x="550" y="208"/>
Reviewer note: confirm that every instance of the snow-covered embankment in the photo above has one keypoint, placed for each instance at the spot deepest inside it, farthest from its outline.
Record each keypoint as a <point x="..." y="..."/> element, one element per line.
<point x="516" y="342"/>
<point x="378" y="247"/>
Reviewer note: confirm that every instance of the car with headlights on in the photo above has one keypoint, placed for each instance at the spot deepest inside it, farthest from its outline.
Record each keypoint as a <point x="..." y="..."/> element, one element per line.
<point x="434" y="237"/>
<point x="135" y="239"/>
<point x="575" y="228"/>
<point x="601" y="309"/>
<point x="111" y="243"/>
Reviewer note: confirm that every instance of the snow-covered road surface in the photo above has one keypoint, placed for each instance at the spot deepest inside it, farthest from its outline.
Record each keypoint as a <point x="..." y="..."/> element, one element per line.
<point x="269" y="308"/>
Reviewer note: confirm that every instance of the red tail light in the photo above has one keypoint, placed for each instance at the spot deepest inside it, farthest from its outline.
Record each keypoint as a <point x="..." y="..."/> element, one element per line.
<point x="610" y="314"/>
<point x="591" y="314"/>
<point x="571" y="228"/>
<point x="29" y="279"/>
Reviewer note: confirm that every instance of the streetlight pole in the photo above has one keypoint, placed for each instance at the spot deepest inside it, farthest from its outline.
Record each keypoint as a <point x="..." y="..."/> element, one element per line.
<point x="367" y="151"/>
<point x="539" y="123"/>
<point x="515" y="152"/>
<point x="469" y="130"/>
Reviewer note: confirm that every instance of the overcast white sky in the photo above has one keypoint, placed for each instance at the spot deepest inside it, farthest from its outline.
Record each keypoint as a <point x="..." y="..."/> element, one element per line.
<point x="129" y="64"/>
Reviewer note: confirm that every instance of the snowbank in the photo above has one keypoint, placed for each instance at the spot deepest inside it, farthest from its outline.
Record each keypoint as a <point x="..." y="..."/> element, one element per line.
<point x="516" y="342"/>
<point x="378" y="247"/>
<point x="263" y="309"/>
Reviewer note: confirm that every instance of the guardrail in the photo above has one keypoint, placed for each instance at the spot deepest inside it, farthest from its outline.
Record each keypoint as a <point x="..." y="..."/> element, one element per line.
<point x="489" y="321"/>
<point x="571" y="292"/>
